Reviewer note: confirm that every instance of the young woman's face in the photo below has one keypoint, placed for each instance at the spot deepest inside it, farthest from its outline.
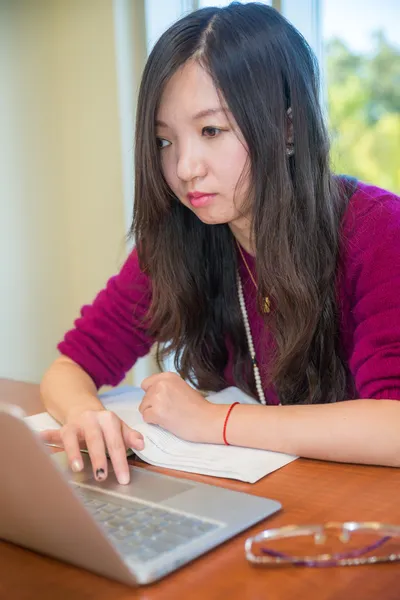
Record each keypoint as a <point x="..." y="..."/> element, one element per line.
<point x="203" y="154"/>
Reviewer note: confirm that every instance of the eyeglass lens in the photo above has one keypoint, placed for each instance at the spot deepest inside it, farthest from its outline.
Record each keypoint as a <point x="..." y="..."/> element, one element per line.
<point x="311" y="551"/>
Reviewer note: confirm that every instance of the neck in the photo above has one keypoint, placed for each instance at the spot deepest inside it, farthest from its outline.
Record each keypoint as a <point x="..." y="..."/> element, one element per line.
<point x="242" y="232"/>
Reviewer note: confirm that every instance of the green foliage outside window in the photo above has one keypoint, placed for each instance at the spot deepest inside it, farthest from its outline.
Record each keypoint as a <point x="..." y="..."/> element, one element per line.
<point x="364" y="111"/>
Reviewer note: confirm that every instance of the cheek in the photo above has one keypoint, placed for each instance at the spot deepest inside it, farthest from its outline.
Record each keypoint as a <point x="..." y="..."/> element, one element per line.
<point x="234" y="168"/>
<point x="168" y="169"/>
<point x="240" y="160"/>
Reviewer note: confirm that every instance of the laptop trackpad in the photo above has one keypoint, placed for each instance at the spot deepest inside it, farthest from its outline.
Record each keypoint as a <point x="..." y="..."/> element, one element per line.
<point x="144" y="485"/>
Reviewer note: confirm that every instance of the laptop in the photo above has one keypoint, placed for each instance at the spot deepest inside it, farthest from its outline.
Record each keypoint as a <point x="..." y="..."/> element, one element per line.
<point x="134" y="533"/>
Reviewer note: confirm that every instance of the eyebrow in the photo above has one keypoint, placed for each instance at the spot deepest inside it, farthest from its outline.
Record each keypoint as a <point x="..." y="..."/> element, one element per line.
<point x="200" y="115"/>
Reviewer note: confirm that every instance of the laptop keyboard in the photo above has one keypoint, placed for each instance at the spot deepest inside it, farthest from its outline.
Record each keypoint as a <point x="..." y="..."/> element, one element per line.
<point x="140" y="530"/>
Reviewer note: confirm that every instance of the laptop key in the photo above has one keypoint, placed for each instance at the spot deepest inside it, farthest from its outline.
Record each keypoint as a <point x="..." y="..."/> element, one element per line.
<point x="129" y="527"/>
<point x="141" y="517"/>
<point x="120" y="535"/>
<point x="205" y="527"/>
<point x="174" y="517"/>
<point x="173" y="540"/>
<point x="133" y="508"/>
<point x="152" y="530"/>
<point x="161" y="546"/>
<point x="101" y="516"/>
<point x="115" y="522"/>
<point x="111" y="508"/>
<point x="97" y="504"/>
<point x="179" y="529"/>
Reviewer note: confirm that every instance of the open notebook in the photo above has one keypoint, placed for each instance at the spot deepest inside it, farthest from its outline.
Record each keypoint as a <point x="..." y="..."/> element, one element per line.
<point x="164" y="449"/>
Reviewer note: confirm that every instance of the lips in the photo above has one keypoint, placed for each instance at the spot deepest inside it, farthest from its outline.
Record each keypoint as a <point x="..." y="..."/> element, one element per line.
<point x="198" y="199"/>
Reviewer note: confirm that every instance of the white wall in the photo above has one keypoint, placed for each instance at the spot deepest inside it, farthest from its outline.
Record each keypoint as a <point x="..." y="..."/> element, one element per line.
<point x="62" y="219"/>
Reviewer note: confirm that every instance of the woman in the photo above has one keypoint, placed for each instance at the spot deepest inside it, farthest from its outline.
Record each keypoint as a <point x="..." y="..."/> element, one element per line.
<point x="255" y="264"/>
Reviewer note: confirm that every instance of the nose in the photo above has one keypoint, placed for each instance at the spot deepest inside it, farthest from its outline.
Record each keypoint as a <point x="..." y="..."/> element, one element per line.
<point x="190" y="163"/>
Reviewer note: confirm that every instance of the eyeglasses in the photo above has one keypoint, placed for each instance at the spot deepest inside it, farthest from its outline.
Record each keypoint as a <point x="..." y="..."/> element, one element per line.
<point x="331" y="544"/>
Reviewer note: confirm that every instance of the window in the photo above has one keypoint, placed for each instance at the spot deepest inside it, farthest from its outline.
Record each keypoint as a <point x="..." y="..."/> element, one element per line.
<point x="160" y="14"/>
<point x="362" y="70"/>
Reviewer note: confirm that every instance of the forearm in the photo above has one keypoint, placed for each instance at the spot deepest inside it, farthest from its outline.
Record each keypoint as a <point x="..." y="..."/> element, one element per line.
<point x="359" y="431"/>
<point x="66" y="390"/>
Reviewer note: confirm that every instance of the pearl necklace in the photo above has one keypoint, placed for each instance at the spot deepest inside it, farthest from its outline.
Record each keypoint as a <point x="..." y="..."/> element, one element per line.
<point x="256" y="371"/>
<point x="257" y="376"/>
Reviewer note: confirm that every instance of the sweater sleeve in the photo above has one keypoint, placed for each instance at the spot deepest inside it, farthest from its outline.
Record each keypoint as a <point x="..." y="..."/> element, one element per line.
<point x="371" y="293"/>
<point x="111" y="333"/>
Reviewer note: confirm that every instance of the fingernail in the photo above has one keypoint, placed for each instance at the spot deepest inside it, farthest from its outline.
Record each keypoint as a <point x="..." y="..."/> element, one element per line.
<point x="76" y="466"/>
<point x="124" y="478"/>
<point x="100" y="474"/>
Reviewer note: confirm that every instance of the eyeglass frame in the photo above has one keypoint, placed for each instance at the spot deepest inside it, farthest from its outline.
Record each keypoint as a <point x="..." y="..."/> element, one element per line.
<point x="352" y="558"/>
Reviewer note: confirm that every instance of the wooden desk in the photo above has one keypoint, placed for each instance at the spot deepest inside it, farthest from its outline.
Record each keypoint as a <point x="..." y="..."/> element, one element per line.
<point x="310" y="492"/>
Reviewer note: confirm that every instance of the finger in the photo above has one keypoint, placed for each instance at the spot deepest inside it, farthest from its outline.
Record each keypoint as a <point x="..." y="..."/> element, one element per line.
<point x="149" y="381"/>
<point x="112" y="432"/>
<point x="95" y="445"/>
<point x="69" y="436"/>
<point x="155" y="378"/>
<point x="133" y="439"/>
<point x="50" y="436"/>
<point x="145" y="403"/>
<point x="150" y="416"/>
<point x="53" y="436"/>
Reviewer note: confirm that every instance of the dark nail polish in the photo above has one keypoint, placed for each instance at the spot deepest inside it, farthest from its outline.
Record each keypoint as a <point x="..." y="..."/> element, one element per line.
<point x="100" y="473"/>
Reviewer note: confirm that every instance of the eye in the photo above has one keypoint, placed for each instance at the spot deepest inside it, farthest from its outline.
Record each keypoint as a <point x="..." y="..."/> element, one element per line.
<point x="162" y="143"/>
<point x="211" y="131"/>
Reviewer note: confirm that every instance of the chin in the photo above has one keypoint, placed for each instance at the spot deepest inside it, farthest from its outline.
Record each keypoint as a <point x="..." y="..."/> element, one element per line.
<point x="212" y="220"/>
<point x="209" y="218"/>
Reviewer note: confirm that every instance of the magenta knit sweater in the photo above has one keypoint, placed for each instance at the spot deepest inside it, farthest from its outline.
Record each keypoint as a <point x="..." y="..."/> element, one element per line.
<point x="110" y="334"/>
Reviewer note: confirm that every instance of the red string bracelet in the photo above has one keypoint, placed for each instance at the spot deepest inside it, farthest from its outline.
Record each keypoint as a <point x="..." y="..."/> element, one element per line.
<point x="226" y="423"/>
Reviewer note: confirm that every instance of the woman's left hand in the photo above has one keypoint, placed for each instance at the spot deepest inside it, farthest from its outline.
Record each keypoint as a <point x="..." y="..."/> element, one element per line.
<point x="174" y="405"/>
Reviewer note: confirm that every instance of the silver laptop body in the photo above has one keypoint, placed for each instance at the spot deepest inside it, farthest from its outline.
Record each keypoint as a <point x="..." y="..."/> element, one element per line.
<point x="135" y="533"/>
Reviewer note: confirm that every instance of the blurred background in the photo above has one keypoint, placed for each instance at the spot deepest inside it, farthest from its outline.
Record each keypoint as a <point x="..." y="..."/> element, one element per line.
<point x="69" y="76"/>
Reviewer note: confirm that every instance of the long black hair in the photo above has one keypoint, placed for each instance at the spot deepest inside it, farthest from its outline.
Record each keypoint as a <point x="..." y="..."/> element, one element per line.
<point x="262" y="66"/>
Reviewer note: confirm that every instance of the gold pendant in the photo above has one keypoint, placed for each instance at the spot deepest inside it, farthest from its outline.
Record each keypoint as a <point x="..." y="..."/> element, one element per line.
<point x="267" y="305"/>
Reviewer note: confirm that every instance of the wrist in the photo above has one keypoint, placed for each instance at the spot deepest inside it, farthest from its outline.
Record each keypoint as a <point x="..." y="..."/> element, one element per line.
<point x="81" y="405"/>
<point x="214" y="428"/>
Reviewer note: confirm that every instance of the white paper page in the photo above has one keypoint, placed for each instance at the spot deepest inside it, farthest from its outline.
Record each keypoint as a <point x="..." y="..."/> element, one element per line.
<point x="231" y="395"/>
<point x="245" y="464"/>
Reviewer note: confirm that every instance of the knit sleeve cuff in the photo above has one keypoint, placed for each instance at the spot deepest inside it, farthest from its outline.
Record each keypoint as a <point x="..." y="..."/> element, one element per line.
<point x="388" y="394"/>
